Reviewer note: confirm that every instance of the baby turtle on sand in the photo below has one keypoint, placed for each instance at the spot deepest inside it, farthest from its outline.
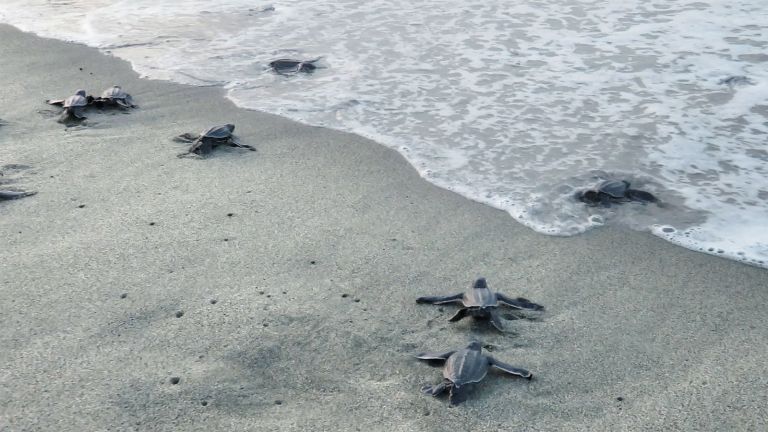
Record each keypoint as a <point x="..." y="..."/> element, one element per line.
<point x="481" y="302"/>
<point x="463" y="368"/>
<point x="115" y="96"/>
<point x="211" y="138"/>
<point x="73" y="105"/>
<point x="291" y="66"/>
<point x="614" y="192"/>
<point x="10" y="195"/>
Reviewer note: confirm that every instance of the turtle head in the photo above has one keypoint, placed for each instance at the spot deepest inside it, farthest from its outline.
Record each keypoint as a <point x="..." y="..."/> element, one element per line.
<point x="475" y="346"/>
<point x="480" y="284"/>
<point x="231" y="127"/>
<point x="80" y="92"/>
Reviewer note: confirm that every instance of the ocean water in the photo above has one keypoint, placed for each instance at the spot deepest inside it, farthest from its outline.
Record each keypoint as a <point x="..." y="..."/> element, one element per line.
<point x="516" y="104"/>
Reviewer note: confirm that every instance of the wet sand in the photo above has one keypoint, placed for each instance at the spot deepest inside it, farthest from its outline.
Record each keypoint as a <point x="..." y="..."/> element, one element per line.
<point x="279" y="285"/>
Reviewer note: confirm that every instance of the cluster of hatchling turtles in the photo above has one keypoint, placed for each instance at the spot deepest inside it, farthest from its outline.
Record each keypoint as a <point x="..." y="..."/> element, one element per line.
<point x="467" y="366"/>
<point x="74" y="108"/>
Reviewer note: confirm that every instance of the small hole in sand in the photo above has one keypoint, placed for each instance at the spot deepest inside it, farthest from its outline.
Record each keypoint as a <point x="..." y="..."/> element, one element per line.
<point x="179" y="314"/>
<point x="175" y="380"/>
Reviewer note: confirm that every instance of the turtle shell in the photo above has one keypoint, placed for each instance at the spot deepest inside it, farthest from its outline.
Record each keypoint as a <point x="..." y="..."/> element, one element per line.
<point x="219" y="132"/>
<point x="114" y="92"/>
<point x="479" y="295"/>
<point x="466" y="366"/>
<point x="293" y="65"/>
<point x="76" y="100"/>
<point x="614" y="188"/>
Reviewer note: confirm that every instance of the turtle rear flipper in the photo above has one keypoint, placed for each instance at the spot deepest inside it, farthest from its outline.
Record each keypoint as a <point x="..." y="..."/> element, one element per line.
<point x="202" y="146"/>
<point x="504" y="367"/>
<point x="458" y="394"/>
<point x="639" y="195"/>
<point x="493" y="315"/>
<point x="459" y="315"/>
<point x="71" y="115"/>
<point x="436" y="389"/>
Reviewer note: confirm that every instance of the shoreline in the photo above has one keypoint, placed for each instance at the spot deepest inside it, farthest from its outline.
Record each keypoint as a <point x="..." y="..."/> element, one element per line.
<point x="679" y="236"/>
<point x="318" y="214"/>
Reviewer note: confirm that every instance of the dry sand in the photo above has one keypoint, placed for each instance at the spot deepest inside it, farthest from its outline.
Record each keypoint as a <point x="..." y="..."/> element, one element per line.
<point x="314" y="275"/>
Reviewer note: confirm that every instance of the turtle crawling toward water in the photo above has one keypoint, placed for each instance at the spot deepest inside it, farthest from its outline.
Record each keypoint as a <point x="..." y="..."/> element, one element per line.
<point x="292" y="66"/>
<point x="481" y="302"/>
<point x="115" y="96"/>
<point x="204" y="142"/>
<point x="463" y="368"/>
<point x="74" y="106"/>
<point x="614" y="192"/>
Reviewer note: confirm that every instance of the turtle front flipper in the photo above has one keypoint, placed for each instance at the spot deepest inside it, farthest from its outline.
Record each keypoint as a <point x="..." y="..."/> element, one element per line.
<point x="441" y="299"/>
<point x="459" y="315"/>
<point x="641" y="196"/>
<point x="57" y="102"/>
<point x="434" y="355"/>
<point x="518" y="303"/>
<point x="510" y="369"/>
<point x="10" y="195"/>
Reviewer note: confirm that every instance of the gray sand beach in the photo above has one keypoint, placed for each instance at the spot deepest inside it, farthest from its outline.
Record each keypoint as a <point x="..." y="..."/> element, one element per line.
<point x="279" y="285"/>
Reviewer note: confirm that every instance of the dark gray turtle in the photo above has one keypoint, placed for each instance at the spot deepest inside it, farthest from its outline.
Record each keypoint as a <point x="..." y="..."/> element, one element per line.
<point x="115" y="96"/>
<point x="463" y="368"/>
<point x="481" y="302"/>
<point x="73" y="105"/>
<point x="614" y="192"/>
<point x="10" y="195"/>
<point x="211" y="138"/>
<point x="292" y="66"/>
<point x="735" y="80"/>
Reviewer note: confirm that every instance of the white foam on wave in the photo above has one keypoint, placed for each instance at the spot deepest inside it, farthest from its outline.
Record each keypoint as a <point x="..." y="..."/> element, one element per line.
<point x="515" y="105"/>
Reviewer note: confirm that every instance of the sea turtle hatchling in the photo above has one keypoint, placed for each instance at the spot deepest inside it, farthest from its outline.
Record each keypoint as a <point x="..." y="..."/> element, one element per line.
<point x="463" y="368"/>
<point x="73" y="105"/>
<point x="115" y="96"/>
<point x="211" y="138"/>
<point x="480" y="302"/>
<point x="292" y="66"/>
<point x="614" y="192"/>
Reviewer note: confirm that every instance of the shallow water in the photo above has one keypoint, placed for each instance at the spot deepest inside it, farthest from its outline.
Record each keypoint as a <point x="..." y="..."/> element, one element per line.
<point x="515" y="104"/>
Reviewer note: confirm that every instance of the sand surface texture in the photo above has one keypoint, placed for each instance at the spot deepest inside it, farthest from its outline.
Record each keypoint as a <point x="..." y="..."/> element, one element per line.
<point x="279" y="285"/>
